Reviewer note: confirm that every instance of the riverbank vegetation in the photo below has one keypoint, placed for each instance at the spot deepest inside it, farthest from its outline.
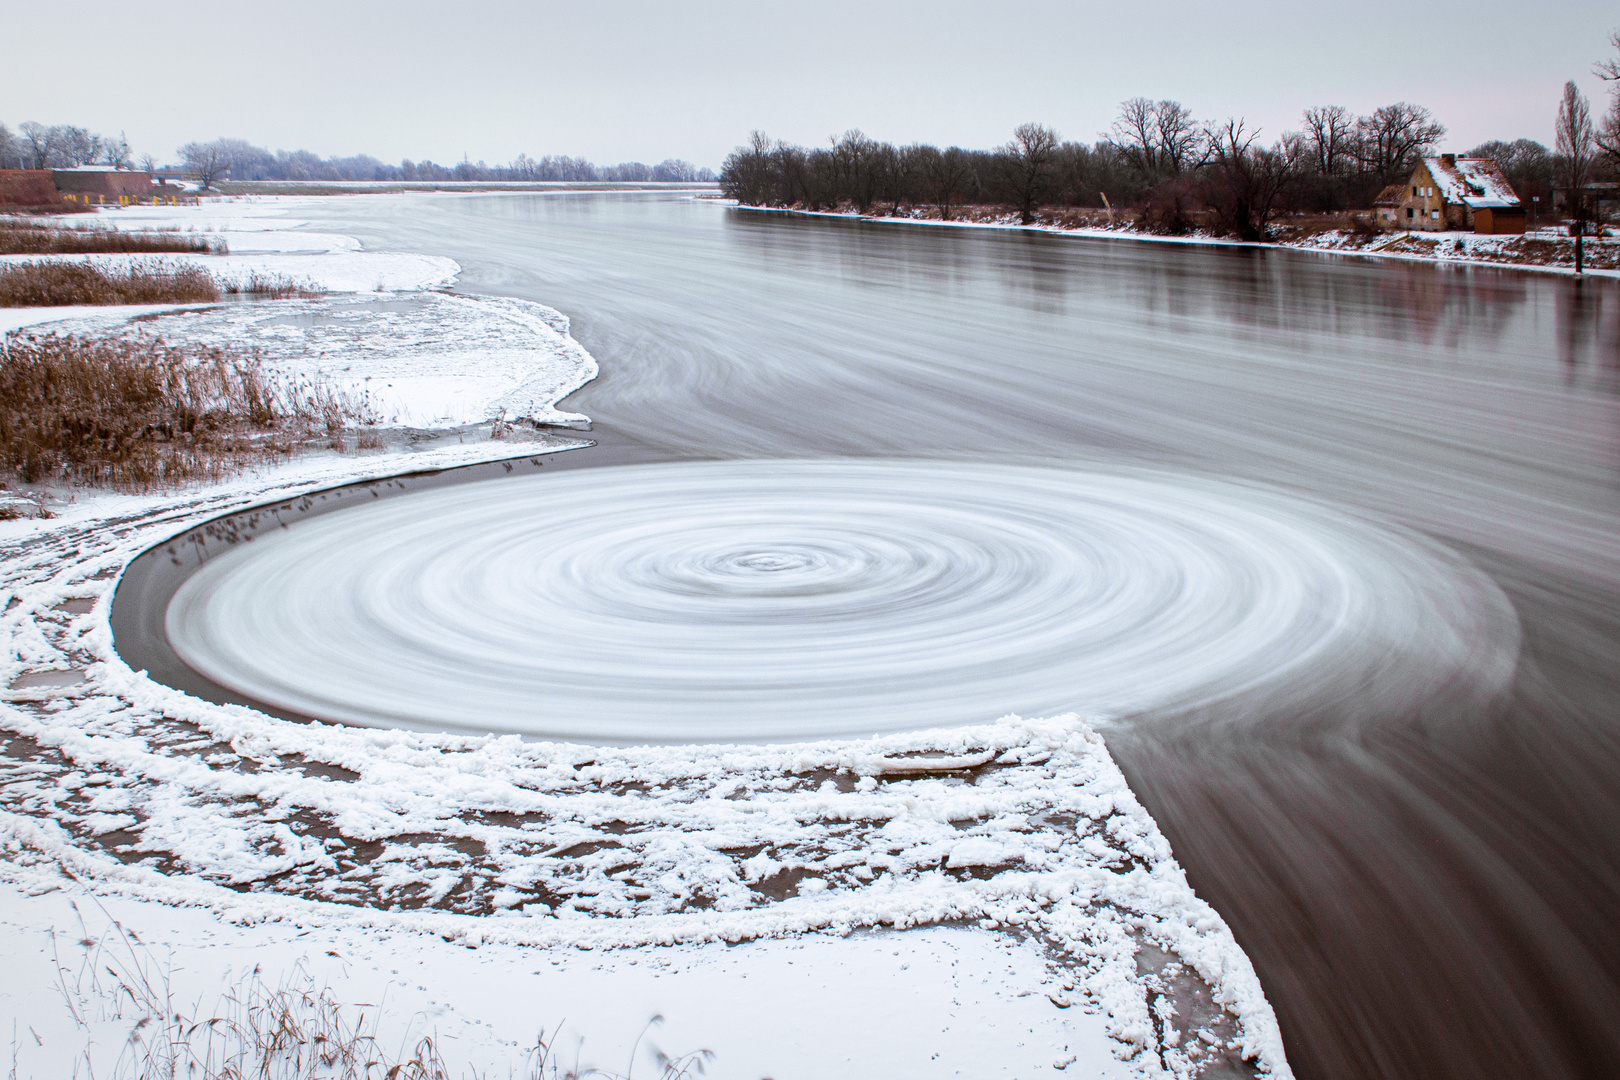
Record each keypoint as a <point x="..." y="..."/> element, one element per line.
<point x="27" y="236"/>
<point x="64" y="283"/>
<point x="1159" y="169"/>
<point x="134" y="414"/>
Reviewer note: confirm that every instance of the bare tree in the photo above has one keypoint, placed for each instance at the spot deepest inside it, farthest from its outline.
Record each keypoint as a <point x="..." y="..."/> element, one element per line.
<point x="74" y="146"/>
<point x="208" y="161"/>
<point x="747" y="171"/>
<point x="1028" y="162"/>
<point x="1135" y="134"/>
<point x="1575" y="147"/>
<point x="862" y="166"/>
<point x="1181" y="141"/>
<point x="1158" y="138"/>
<point x="948" y="174"/>
<point x="1244" y="181"/>
<point x="1609" y="70"/>
<point x="674" y="171"/>
<point x="10" y="149"/>
<point x="1329" y="136"/>
<point x="148" y="164"/>
<point x="1394" y="137"/>
<point x="39" y="143"/>
<point x="116" y="152"/>
<point x="1608" y="132"/>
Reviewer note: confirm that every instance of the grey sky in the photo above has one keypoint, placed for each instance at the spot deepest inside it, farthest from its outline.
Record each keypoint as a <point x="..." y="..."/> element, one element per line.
<point x="636" y="80"/>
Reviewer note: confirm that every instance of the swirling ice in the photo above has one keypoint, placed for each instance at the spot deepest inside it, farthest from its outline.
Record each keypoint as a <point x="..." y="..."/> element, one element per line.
<point x="798" y="599"/>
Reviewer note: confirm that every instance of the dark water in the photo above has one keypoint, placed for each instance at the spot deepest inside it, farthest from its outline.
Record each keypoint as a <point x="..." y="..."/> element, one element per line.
<point x="1426" y="872"/>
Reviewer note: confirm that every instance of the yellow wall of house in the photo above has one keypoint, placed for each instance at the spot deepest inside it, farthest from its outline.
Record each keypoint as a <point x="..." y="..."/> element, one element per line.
<point x="1422" y="207"/>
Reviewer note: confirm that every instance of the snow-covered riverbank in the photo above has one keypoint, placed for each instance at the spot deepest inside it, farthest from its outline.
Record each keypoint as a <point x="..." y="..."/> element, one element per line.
<point x="622" y="879"/>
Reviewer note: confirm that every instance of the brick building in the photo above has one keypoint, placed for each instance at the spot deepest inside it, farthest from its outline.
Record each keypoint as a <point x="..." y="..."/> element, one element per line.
<point x="1451" y="193"/>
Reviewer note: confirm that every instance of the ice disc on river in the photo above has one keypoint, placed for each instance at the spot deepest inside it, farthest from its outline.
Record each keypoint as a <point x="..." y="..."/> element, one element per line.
<point x="785" y="600"/>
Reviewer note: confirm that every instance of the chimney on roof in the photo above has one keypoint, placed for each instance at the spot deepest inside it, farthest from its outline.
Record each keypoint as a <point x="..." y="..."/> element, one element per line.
<point x="1449" y="160"/>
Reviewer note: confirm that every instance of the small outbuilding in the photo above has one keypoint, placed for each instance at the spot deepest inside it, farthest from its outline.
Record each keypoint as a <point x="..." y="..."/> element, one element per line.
<point x="1453" y="193"/>
<point x="1387" y="207"/>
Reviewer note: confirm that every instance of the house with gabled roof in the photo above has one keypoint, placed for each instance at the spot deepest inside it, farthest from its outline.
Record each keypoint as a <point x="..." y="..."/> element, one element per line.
<point x="1454" y="193"/>
<point x="1387" y="207"/>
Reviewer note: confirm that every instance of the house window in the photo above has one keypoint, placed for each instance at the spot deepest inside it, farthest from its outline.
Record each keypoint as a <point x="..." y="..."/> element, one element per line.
<point x="1408" y="211"/>
<point x="1434" y="215"/>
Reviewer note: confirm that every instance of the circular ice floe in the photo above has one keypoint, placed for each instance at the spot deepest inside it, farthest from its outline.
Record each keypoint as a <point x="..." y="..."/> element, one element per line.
<point x="788" y="600"/>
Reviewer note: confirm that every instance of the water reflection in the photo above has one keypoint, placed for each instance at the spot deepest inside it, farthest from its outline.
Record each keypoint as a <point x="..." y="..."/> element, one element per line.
<point x="1426" y="872"/>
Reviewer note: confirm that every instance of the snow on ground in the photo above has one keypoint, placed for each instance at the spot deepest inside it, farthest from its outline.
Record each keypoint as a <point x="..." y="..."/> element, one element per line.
<point x="529" y="851"/>
<point x="264" y="237"/>
<point x="103" y="315"/>
<point x="979" y="901"/>
<point x="936" y="1002"/>
<point x="422" y="360"/>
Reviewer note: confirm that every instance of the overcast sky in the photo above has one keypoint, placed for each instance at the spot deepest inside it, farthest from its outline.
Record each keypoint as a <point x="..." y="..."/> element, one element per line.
<point x="620" y="80"/>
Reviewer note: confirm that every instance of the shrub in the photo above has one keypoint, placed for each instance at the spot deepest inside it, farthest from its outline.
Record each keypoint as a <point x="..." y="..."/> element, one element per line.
<point x="1168" y="208"/>
<point x="137" y="414"/>
<point x="55" y="284"/>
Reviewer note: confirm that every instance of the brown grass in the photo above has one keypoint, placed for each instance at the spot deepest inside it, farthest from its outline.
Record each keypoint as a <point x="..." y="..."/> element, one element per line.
<point x="55" y="209"/>
<point x="56" y="284"/>
<point x="20" y="236"/>
<point x="267" y="286"/>
<point x="139" y="414"/>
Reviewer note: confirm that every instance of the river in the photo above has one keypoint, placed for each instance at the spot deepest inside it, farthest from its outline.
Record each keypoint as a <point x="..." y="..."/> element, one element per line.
<point x="1424" y="866"/>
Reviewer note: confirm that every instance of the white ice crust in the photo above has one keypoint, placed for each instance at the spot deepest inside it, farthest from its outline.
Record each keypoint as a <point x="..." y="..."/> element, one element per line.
<point x="804" y="599"/>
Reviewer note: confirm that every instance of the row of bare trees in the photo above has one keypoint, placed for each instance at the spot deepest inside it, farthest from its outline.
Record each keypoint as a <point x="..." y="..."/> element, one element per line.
<point x="63" y="146"/>
<point x="60" y="146"/>
<point x="238" y="159"/>
<point x="1157" y="156"/>
<point x="1172" y="168"/>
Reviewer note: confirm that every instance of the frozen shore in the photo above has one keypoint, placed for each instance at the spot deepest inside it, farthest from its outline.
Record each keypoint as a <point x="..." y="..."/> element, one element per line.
<point x="588" y="884"/>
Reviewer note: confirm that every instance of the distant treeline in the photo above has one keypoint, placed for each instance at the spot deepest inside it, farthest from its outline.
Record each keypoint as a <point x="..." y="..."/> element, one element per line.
<point x="1170" y="169"/>
<point x="63" y="146"/>
<point x="60" y="146"/>
<point x="238" y="160"/>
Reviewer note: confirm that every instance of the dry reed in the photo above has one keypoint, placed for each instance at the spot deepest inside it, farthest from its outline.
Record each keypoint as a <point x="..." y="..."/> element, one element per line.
<point x="267" y="286"/>
<point x="23" y="237"/>
<point x="58" y="284"/>
<point x="142" y="414"/>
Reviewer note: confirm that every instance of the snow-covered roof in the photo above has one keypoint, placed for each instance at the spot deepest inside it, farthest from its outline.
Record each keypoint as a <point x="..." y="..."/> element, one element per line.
<point x="1476" y="182"/>
<point x="1391" y="196"/>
